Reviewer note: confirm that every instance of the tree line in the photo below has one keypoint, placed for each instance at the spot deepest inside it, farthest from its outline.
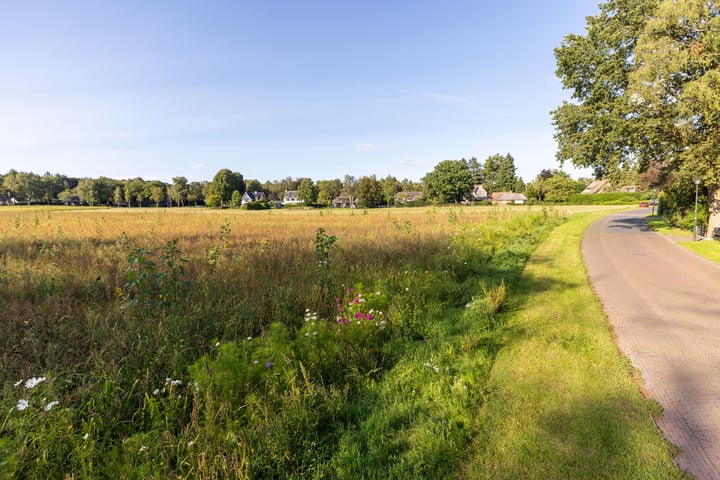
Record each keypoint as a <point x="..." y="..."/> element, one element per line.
<point x="451" y="181"/>
<point x="645" y="84"/>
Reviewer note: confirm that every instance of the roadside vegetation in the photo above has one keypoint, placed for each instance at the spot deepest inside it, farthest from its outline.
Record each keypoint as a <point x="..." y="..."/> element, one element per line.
<point x="303" y="344"/>
<point x="562" y="403"/>
<point x="708" y="247"/>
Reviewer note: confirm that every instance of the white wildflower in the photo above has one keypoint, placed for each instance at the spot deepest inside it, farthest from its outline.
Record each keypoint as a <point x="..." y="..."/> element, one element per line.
<point x="50" y="405"/>
<point x="18" y="382"/>
<point x="22" y="404"/>
<point x="143" y="448"/>
<point x="156" y="391"/>
<point x="33" y="382"/>
<point x="86" y="436"/>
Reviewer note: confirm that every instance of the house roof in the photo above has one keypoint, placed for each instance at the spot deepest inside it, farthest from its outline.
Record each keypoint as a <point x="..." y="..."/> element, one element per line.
<point x="597" y="186"/>
<point x="479" y="192"/>
<point x="254" y="196"/>
<point x="508" y="197"/>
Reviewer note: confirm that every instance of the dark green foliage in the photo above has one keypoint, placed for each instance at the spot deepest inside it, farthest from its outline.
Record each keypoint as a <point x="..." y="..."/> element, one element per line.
<point x="224" y="183"/>
<point x="450" y="182"/>
<point x="611" y="198"/>
<point x="308" y="191"/>
<point x="498" y="174"/>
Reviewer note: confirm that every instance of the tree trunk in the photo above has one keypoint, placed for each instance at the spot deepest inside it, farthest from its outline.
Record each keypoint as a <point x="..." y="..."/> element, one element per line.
<point x="714" y="206"/>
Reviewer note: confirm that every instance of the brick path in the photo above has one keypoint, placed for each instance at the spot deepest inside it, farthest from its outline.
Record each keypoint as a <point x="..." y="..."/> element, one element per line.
<point x="664" y="304"/>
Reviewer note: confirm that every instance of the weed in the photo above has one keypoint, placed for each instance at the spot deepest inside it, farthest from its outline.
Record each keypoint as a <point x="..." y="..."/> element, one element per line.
<point x="324" y="243"/>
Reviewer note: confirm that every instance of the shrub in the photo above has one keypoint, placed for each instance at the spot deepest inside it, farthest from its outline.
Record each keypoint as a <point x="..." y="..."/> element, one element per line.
<point x="610" y="198"/>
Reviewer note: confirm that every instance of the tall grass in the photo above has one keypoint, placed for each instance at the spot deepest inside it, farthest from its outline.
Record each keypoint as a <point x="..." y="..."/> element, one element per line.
<point x="307" y="344"/>
<point x="211" y="344"/>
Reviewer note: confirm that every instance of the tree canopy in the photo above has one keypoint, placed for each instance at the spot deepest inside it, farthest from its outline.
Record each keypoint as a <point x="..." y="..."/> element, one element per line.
<point x="308" y="191"/>
<point x="498" y="174"/>
<point x="450" y="181"/>
<point x="224" y="183"/>
<point x="646" y="91"/>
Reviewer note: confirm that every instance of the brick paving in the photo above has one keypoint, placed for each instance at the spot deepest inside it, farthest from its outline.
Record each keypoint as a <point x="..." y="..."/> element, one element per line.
<point x="664" y="305"/>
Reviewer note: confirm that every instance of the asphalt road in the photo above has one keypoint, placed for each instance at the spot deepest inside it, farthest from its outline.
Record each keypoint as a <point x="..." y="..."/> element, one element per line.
<point x="664" y="304"/>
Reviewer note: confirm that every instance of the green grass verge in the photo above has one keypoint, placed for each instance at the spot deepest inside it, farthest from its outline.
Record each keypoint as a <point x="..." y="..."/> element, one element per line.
<point x="561" y="400"/>
<point x="709" y="249"/>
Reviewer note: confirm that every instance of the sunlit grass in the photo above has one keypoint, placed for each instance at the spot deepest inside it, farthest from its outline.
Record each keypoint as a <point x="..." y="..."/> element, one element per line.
<point x="706" y="247"/>
<point x="562" y="402"/>
<point x="198" y="343"/>
<point x="113" y="306"/>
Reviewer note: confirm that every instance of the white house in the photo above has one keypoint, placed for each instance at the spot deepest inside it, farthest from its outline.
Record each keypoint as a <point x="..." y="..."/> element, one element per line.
<point x="290" y="197"/>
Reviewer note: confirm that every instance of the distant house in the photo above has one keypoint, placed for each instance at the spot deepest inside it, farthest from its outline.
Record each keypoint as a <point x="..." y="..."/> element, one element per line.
<point x="629" y="189"/>
<point x="290" y="197"/>
<point x="250" y="197"/>
<point x="403" y="198"/>
<point x="598" y="186"/>
<point x="479" y="194"/>
<point x="73" y="200"/>
<point x="344" y="201"/>
<point x="5" y="200"/>
<point x="508" y="198"/>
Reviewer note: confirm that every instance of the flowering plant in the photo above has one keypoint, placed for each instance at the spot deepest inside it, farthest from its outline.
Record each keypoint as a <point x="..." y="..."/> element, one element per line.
<point x="356" y="308"/>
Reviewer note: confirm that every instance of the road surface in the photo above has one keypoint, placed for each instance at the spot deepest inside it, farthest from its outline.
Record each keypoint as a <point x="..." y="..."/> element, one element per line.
<point x="664" y="304"/>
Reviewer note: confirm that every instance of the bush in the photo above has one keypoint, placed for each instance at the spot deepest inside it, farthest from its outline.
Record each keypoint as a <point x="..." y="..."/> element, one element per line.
<point x="611" y="198"/>
<point x="213" y="200"/>
<point x="255" y="206"/>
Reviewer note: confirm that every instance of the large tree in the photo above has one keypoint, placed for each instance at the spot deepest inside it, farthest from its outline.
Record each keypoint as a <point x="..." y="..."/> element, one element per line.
<point x="597" y="129"/>
<point x="677" y="84"/>
<point x="224" y="183"/>
<point x="178" y="191"/>
<point x="24" y="186"/>
<point x="450" y="181"/>
<point x="646" y="90"/>
<point x="308" y="191"/>
<point x="390" y="186"/>
<point x="327" y="190"/>
<point x="86" y="191"/>
<point x="52" y="186"/>
<point x="369" y="192"/>
<point x="498" y="173"/>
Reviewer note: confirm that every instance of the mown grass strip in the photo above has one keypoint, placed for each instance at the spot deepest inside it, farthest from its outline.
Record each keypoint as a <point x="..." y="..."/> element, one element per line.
<point x="707" y="248"/>
<point x="561" y="400"/>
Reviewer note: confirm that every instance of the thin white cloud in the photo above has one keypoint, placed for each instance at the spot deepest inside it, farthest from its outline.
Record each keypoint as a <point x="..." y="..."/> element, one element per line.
<point x="365" y="147"/>
<point x="408" y="163"/>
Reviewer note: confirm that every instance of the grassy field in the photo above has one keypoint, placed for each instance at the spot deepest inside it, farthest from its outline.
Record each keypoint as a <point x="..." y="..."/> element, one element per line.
<point x="393" y="343"/>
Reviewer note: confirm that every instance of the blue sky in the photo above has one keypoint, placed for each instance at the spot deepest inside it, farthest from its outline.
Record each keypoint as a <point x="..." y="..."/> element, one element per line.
<point x="271" y="88"/>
